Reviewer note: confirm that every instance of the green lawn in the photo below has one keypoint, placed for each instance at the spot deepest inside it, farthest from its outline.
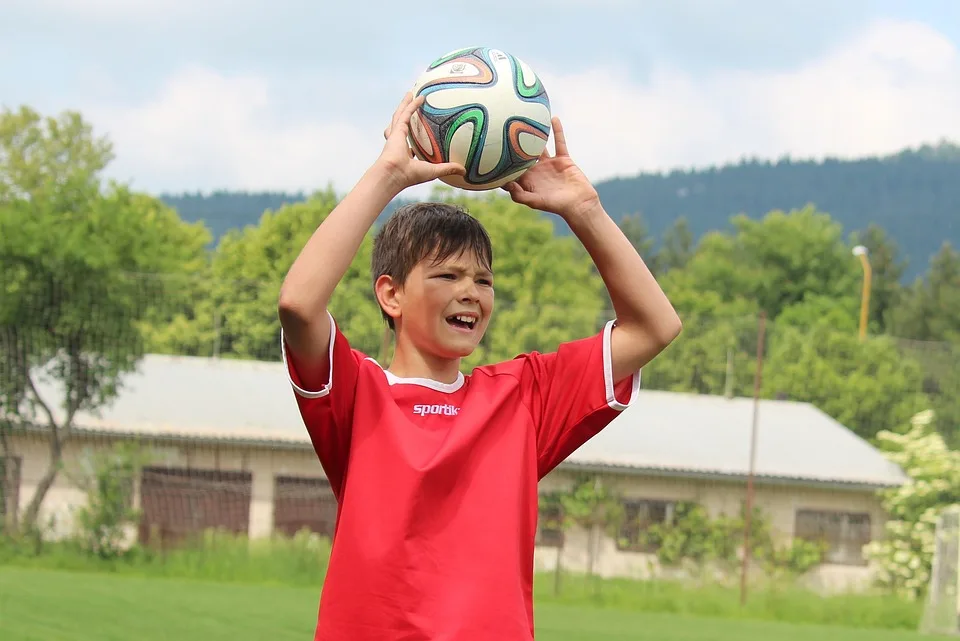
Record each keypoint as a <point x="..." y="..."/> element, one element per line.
<point x="40" y="605"/>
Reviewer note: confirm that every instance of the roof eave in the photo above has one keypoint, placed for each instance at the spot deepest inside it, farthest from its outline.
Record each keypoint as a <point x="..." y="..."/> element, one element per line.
<point x="732" y="477"/>
<point x="597" y="467"/>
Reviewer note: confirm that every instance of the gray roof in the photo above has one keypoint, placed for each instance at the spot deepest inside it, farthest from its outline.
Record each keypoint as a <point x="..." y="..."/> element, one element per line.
<point x="700" y="435"/>
<point x="662" y="432"/>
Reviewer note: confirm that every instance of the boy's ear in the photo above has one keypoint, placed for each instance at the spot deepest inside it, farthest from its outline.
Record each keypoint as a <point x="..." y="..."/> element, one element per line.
<point x="388" y="296"/>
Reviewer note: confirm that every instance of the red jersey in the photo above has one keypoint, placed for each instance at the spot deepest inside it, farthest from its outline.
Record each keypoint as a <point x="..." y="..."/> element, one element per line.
<point x="436" y="486"/>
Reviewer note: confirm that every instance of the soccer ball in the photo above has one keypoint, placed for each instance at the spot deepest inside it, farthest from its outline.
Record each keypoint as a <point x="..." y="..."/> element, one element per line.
<point x="484" y="109"/>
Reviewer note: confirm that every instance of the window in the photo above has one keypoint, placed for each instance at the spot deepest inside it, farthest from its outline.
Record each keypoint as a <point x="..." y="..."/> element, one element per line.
<point x="550" y="525"/>
<point x="844" y="534"/>
<point x="304" y="503"/>
<point x="638" y="516"/>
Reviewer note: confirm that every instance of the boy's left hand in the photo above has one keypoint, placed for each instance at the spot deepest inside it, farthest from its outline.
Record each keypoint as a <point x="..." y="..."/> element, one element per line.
<point x="555" y="184"/>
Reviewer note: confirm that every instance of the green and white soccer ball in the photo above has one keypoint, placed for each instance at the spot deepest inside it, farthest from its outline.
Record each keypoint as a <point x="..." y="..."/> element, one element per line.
<point x="485" y="109"/>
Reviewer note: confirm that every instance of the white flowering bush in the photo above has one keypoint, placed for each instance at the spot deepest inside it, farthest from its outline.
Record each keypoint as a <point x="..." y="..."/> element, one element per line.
<point x="904" y="556"/>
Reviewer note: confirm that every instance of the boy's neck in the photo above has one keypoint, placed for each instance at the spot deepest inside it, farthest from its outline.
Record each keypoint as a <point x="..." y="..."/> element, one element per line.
<point x="408" y="362"/>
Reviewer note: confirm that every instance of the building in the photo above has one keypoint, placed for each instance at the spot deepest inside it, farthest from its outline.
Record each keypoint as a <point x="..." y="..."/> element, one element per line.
<point x="228" y="449"/>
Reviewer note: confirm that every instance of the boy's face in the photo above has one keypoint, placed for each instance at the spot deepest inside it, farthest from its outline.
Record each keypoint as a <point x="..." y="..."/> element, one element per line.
<point x="445" y="307"/>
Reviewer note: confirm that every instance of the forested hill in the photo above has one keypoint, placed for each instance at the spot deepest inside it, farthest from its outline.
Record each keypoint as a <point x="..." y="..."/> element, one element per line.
<point x="913" y="195"/>
<point x="222" y="211"/>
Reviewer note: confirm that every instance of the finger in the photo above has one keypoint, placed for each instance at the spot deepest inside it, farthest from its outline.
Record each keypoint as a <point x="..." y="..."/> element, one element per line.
<point x="402" y="119"/>
<point x="519" y="194"/>
<point x="407" y="98"/>
<point x="449" y="169"/>
<point x="398" y="113"/>
<point x="411" y="109"/>
<point x="560" y="138"/>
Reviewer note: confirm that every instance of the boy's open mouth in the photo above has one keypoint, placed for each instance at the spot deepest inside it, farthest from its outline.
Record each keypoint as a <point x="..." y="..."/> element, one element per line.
<point x="462" y="321"/>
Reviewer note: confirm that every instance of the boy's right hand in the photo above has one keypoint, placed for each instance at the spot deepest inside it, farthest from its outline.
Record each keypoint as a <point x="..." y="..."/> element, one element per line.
<point x="398" y="159"/>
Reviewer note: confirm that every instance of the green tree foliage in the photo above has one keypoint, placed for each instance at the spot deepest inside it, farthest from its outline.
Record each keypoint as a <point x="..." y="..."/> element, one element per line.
<point x="797" y="267"/>
<point x="677" y="247"/>
<point x="904" y="555"/>
<point x="867" y="386"/>
<point x="930" y="309"/>
<point x="775" y="261"/>
<point x="715" y="354"/>
<point x="694" y="536"/>
<point x="107" y="478"/>
<point x="249" y="267"/>
<point x="635" y="229"/>
<point x="234" y="311"/>
<point x="72" y="258"/>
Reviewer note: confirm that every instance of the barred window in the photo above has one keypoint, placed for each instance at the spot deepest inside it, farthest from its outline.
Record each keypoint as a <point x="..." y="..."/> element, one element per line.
<point x="844" y="534"/>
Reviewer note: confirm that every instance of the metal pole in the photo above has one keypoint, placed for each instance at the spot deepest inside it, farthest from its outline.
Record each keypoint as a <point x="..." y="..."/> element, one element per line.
<point x="748" y="510"/>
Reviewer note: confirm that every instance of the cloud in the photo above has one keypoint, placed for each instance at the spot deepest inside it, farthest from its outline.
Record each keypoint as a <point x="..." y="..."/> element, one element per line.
<point x="895" y="85"/>
<point x="206" y="130"/>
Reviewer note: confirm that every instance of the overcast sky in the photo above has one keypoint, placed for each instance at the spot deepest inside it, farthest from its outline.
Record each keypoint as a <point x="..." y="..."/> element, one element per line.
<point x="286" y="95"/>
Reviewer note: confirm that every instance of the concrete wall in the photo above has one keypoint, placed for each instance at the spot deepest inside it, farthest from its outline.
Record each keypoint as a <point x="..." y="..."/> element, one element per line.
<point x="780" y="504"/>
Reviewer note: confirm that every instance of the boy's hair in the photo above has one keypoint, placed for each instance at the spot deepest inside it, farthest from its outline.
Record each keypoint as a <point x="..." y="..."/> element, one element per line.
<point x="426" y="230"/>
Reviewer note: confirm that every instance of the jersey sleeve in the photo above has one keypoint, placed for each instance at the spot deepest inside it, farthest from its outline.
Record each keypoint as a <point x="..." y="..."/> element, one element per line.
<point x="328" y="412"/>
<point x="572" y="396"/>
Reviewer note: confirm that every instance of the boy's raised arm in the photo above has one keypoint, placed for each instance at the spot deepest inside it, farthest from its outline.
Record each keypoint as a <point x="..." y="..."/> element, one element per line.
<point x="323" y="261"/>
<point x="646" y="320"/>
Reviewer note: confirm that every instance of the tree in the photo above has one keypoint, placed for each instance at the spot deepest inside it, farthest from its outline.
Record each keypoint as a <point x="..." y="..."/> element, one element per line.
<point x="73" y="255"/>
<point x="940" y="362"/>
<point x="108" y="479"/>
<point x="677" y="247"/>
<point x="868" y="386"/>
<point x="636" y="231"/>
<point x="716" y="354"/>
<point x="905" y="553"/>
<point x="930" y="309"/>
<point x="236" y="316"/>
<point x="774" y="261"/>
<point x="839" y="313"/>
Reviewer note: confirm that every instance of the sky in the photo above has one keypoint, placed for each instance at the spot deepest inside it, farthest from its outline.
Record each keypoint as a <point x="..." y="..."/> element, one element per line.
<point x="199" y="95"/>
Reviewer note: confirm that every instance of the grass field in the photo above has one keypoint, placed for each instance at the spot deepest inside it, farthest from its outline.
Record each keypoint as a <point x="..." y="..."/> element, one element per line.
<point x="45" y="605"/>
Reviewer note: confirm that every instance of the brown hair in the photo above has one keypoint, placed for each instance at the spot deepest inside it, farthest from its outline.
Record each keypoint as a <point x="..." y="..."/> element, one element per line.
<point x="421" y="230"/>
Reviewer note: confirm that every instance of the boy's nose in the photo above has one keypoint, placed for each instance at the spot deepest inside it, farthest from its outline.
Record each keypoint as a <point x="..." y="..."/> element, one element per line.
<point x="469" y="292"/>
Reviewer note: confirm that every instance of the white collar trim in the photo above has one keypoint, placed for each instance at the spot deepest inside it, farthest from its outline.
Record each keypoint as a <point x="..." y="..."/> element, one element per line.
<point x="447" y="388"/>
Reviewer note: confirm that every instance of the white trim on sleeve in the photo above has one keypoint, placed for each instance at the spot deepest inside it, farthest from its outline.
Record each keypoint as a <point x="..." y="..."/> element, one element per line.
<point x="608" y="373"/>
<point x="323" y="391"/>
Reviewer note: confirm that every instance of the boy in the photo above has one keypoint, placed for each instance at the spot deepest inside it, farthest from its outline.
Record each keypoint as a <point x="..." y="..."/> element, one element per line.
<point x="436" y="473"/>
